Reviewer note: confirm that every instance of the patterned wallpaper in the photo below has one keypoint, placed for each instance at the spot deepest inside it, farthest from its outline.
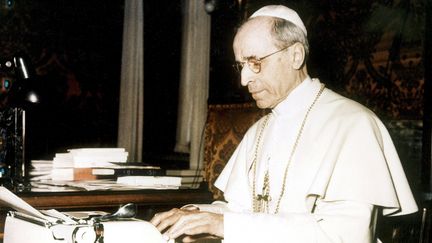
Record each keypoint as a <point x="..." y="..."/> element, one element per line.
<point x="369" y="50"/>
<point x="373" y="53"/>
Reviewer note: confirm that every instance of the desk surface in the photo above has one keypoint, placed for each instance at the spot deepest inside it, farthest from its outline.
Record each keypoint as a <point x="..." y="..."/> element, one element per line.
<point x="115" y="198"/>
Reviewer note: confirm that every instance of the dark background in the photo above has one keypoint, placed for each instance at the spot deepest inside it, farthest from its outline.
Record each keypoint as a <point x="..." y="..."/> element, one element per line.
<point x="73" y="49"/>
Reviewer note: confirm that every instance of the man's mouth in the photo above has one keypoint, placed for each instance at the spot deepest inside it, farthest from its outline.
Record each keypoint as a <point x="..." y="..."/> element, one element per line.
<point x="256" y="94"/>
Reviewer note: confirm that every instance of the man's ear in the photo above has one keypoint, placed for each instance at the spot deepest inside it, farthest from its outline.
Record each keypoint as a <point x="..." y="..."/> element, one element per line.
<point x="298" y="55"/>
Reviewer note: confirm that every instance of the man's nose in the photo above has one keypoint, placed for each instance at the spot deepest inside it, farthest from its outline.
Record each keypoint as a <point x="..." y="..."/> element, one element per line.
<point x="246" y="76"/>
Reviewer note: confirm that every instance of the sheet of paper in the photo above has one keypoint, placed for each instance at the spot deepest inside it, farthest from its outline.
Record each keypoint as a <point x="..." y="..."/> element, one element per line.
<point x="8" y="199"/>
<point x="57" y="215"/>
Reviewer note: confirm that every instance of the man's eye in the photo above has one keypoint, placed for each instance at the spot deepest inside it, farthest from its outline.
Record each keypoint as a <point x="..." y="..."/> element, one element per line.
<point x="254" y="64"/>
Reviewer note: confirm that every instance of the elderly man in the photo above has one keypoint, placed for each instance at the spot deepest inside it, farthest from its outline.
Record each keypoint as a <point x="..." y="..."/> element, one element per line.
<point x="318" y="168"/>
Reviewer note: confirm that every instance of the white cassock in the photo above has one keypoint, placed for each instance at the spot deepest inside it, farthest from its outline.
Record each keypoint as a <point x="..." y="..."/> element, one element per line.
<point x="344" y="168"/>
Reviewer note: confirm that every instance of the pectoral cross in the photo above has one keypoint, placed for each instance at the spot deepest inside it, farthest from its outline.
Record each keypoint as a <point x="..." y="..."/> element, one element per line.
<point x="262" y="200"/>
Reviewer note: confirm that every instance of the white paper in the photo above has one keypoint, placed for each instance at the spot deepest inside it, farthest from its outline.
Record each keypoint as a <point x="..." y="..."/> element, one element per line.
<point x="56" y="214"/>
<point x="8" y="199"/>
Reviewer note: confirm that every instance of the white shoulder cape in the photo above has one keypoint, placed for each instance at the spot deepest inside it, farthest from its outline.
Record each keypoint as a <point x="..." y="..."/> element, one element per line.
<point x="351" y="157"/>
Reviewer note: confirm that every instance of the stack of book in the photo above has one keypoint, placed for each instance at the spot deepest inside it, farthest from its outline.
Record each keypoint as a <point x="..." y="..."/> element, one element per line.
<point x="88" y="164"/>
<point x="78" y="164"/>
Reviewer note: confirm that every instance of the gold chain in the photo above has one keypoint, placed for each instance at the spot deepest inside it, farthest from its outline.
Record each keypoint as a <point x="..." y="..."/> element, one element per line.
<point x="255" y="198"/>
<point x="257" y="145"/>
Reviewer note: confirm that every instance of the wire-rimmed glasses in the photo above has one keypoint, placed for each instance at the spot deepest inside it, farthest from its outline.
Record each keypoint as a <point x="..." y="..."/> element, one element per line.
<point x="254" y="63"/>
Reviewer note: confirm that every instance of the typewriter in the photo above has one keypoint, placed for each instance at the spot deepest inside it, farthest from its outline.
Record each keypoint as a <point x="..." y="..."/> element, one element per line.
<point x="25" y="224"/>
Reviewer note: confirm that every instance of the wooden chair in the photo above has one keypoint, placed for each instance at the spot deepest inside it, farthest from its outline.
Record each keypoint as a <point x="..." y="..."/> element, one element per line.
<point x="225" y="126"/>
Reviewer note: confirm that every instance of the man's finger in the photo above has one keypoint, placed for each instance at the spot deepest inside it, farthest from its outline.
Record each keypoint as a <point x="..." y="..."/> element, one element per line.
<point x="195" y="224"/>
<point x="159" y="219"/>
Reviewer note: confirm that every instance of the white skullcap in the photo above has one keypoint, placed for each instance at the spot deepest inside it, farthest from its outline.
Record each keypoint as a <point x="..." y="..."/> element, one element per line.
<point x="282" y="12"/>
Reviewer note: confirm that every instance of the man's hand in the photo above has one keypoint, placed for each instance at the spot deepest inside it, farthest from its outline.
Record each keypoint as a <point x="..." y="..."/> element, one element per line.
<point x="191" y="224"/>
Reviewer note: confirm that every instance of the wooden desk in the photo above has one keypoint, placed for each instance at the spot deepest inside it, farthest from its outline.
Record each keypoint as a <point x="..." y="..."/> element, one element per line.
<point x="149" y="202"/>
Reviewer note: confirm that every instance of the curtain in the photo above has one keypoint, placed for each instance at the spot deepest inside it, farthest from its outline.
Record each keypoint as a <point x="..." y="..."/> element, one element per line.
<point x="194" y="81"/>
<point x="130" y="130"/>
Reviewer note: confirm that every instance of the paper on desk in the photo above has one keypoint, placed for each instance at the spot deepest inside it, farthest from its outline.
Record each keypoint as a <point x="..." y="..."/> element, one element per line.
<point x="8" y="199"/>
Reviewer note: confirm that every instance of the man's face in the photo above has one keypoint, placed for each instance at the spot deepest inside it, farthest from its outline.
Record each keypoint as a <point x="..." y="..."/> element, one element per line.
<point x="276" y="77"/>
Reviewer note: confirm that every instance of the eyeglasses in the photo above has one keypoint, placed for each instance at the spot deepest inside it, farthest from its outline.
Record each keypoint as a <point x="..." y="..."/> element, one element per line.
<point x="254" y="63"/>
